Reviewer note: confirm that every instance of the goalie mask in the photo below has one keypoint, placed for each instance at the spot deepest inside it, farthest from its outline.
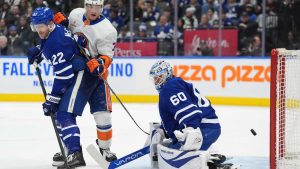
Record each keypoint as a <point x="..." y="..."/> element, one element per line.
<point x="160" y="73"/>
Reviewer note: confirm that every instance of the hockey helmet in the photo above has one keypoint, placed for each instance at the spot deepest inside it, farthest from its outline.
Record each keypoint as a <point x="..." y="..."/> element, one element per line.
<point x="160" y="73"/>
<point x="41" y="15"/>
<point x="94" y="2"/>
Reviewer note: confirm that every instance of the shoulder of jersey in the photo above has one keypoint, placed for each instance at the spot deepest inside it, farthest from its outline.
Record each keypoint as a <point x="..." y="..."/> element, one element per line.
<point x="107" y="26"/>
<point x="75" y="17"/>
<point x="77" y="12"/>
<point x="56" y="35"/>
<point x="61" y="32"/>
<point x="173" y="83"/>
<point x="57" y="39"/>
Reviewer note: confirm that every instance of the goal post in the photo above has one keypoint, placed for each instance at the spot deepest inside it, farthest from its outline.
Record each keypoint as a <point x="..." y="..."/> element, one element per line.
<point x="285" y="109"/>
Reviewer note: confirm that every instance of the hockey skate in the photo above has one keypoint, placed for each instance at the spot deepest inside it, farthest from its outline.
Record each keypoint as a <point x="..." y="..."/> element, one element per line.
<point x="219" y="158"/>
<point x="57" y="159"/>
<point x="108" y="155"/>
<point x="74" y="160"/>
<point x="223" y="166"/>
<point x="218" y="163"/>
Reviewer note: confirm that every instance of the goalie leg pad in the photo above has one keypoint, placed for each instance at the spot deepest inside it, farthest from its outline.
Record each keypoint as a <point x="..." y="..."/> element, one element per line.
<point x="169" y="158"/>
<point x="104" y="128"/>
<point x="156" y="137"/>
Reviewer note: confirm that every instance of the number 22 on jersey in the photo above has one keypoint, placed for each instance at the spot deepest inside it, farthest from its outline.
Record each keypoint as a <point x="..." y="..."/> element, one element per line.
<point x="58" y="58"/>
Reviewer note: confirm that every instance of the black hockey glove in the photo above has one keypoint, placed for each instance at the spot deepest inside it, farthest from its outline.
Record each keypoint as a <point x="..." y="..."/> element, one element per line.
<point x="34" y="55"/>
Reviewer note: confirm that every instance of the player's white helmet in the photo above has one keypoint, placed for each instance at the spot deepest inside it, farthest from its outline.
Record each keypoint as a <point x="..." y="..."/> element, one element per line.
<point x="94" y="2"/>
<point x="160" y="73"/>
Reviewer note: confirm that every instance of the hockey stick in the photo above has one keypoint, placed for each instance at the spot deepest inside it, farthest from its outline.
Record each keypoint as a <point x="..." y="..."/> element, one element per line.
<point x="51" y="115"/>
<point x="94" y="153"/>
<point x="82" y="51"/>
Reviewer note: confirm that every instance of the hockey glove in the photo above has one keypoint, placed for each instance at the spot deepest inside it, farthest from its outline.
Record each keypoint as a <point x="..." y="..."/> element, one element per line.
<point x="190" y="138"/>
<point x="61" y="19"/>
<point x="51" y="104"/>
<point x="34" y="55"/>
<point x="97" y="67"/>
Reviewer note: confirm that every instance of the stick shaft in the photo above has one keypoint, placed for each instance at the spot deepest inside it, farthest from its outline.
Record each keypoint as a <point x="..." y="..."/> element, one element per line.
<point x="52" y="118"/>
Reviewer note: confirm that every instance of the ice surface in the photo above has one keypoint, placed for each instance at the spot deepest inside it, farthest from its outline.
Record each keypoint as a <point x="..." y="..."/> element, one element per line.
<point x="27" y="139"/>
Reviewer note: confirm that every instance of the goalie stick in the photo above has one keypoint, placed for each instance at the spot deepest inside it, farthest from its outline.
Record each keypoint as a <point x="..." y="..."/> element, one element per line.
<point x="99" y="159"/>
<point x="95" y="154"/>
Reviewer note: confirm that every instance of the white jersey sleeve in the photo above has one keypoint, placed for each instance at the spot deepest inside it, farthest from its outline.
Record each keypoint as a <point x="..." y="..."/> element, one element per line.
<point x="102" y="36"/>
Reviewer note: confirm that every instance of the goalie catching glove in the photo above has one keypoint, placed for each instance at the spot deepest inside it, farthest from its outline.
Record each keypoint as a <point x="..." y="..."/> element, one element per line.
<point x="190" y="138"/>
<point x="51" y="104"/>
<point x="98" y="66"/>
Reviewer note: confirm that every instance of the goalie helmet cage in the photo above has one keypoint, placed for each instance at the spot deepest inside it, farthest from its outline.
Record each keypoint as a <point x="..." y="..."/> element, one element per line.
<point x="285" y="109"/>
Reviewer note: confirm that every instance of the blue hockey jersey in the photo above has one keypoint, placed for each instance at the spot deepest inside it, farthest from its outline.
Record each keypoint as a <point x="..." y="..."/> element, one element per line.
<point x="182" y="105"/>
<point x="59" y="49"/>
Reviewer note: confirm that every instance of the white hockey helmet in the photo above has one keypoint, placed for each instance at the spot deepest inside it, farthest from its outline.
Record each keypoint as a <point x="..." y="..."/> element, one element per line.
<point x="160" y="73"/>
<point x="94" y="2"/>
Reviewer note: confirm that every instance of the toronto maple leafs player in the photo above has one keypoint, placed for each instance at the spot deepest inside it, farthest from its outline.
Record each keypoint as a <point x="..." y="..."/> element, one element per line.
<point x="101" y="36"/>
<point x="188" y="120"/>
<point x="69" y="91"/>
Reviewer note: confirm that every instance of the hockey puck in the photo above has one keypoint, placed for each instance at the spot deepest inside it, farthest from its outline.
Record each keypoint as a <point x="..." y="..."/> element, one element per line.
<point x="253" y="132"/>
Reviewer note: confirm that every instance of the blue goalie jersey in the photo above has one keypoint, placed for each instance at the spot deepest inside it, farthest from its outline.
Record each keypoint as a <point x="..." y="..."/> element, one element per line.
<point x="59" y="49"/>
<point x="182" y="105"/>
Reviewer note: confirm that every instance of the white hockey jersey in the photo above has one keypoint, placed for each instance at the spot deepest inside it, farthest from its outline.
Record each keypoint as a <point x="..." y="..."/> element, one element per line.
<point x="101" y="34"/>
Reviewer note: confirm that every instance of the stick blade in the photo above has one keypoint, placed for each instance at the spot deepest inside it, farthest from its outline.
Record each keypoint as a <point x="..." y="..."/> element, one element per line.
<point x="95" y="154"/>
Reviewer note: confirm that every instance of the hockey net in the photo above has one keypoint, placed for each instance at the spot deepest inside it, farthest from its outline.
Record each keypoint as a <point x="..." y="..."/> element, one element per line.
<point x="285" y="109"/>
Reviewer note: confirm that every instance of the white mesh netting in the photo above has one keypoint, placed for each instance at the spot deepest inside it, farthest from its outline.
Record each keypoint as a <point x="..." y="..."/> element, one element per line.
<point x="288" y="110"/>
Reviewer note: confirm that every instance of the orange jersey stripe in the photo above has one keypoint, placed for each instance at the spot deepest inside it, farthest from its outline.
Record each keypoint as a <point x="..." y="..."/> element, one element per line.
<point x="104" y="136"/>
<point x="108" y="99"/>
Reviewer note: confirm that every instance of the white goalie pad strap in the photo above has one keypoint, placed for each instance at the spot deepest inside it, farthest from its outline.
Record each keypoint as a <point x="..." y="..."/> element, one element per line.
<point x="169" y="158"/>
<point x="102" y="118"/>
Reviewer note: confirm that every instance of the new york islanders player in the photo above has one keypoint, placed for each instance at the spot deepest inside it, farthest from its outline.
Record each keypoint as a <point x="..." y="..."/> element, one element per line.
<point x="101" y="36"/>
<point x="188" y="118"/>
<point x="67" y="98"/>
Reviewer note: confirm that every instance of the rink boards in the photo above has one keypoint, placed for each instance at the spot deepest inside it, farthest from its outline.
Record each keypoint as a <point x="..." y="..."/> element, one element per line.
<point x="225" y="80"/>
